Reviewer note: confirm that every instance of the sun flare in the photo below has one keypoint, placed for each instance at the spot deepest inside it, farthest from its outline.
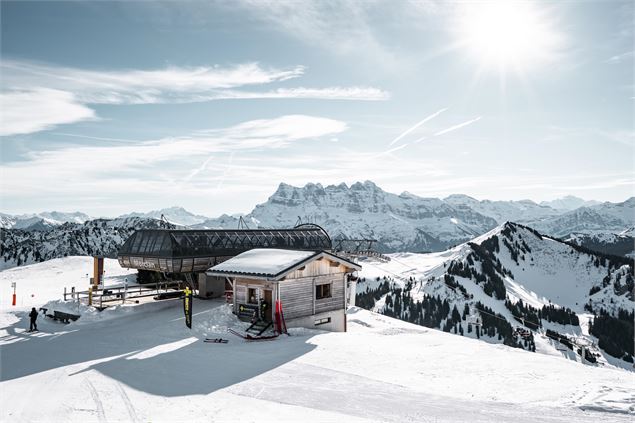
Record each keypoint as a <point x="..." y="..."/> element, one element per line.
<point x="508" y="33"/>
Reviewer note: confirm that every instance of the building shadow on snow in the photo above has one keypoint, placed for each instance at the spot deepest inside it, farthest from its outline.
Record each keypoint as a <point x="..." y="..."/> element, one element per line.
<point x="150" y="351"/>
<point x="201" y="368"/>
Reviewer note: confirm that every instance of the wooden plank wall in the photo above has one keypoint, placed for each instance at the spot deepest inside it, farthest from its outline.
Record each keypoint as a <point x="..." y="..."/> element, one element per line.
<point x="297" y="289"/>
<point x="241" y="293"/>
<point x="317" y="268"/>
<point x="298" y="295"/>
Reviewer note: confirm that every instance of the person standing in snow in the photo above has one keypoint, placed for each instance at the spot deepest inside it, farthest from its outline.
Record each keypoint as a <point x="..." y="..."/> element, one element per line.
<point x="33" y="316"/>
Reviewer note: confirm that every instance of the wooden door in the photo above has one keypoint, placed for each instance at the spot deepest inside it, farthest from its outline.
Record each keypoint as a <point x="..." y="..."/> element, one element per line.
<point x="269" y="308"/>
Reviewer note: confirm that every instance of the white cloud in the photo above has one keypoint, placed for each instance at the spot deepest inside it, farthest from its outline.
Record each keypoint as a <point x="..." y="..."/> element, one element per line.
<point x="620" y="58"/>
<point x="29" y="108"/>
<point x="37" y="109"/>
<point x="171" y="84"/>
<point x="80" y="171"/>
<point x="282" y="130"/>
<point x="222" y="170"/>
<point x="329" y="93"/>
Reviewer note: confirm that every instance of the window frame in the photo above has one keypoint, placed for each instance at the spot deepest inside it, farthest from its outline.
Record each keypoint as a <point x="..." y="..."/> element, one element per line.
<point x="319" y="294"/>
<point x="248" y="299"/>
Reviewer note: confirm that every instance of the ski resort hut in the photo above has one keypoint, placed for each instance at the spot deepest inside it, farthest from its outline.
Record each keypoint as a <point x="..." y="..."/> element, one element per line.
<point x="290" y="287"/>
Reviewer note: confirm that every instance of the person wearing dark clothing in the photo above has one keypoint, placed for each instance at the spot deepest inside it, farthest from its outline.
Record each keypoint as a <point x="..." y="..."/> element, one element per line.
<point x="33" y="316"/>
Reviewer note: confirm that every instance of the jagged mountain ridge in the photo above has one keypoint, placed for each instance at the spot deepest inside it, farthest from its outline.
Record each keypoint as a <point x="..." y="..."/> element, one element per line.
<point x="399" y="222"/>
<point x="94" y="237"/>
<point x="493" y="273"/>
<point x="407" y="222"/>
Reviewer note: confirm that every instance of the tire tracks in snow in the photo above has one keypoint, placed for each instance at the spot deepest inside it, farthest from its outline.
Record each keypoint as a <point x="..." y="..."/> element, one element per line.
<point x="126" y="400"/>
<point x="101" y="415"/>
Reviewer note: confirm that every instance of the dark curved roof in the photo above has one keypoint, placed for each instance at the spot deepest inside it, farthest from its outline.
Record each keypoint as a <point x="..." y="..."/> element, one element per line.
<point x="192" y="243"/>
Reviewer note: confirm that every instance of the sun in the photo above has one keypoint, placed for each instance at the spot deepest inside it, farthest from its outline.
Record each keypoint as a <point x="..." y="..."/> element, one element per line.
<point x="507" y="33"/>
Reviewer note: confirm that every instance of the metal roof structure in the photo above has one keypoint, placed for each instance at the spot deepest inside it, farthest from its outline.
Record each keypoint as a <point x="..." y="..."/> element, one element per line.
<point x="272" y="264"/>
<point x="192" y="250"/>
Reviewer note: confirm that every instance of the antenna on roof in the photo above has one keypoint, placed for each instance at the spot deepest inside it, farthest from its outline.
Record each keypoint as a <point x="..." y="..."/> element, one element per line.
<point x="242" y="224"/>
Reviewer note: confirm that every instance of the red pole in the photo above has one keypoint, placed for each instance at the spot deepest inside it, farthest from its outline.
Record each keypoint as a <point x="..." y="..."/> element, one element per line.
<point x="13" y="299"/>
<point x="13" y="303"/>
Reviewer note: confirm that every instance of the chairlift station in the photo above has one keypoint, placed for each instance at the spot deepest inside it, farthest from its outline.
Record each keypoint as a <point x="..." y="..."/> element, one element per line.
<point x="314" y="286"/>
<point x="195" y="251"/>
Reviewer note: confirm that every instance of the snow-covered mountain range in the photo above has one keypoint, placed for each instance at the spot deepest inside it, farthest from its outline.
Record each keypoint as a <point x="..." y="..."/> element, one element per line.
<point x="94" y="237"/>
<point x="175" y="215"/>
<point x="403" y="222"/>
<point x="512" y="277"/>
<point x="399" y="222"/>
<point x="568" y="203"/>
<point x="407" y="222"/>
<point x="41" y="221"/>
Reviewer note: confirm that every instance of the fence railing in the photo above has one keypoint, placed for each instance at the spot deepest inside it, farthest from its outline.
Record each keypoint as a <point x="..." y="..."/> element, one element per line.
<point x="105" y="296"/>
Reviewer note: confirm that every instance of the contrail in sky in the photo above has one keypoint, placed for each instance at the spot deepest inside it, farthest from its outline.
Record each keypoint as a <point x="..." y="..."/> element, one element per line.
<point x="90" y="137"/>
<point x="407" y="131"/>
<point x="455" y="127"/>
<point x="198" y="169"/>
<point x="392" y="150"/>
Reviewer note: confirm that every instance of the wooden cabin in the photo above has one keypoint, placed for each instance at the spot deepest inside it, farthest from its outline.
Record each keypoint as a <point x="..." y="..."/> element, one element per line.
<point x="312" y="287"/>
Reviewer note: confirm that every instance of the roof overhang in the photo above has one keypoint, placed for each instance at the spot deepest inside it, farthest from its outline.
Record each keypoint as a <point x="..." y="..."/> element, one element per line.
<point x="282" y="274"/>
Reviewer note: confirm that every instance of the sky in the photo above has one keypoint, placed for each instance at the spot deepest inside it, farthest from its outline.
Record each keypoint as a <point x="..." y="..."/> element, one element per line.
<point x="112" y="107"/>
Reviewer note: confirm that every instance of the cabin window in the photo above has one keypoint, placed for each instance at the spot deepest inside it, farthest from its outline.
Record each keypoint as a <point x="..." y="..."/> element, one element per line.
<point x="323" y="291"/>
<point x="322" y="321"/>
<point x="252" y="297"/>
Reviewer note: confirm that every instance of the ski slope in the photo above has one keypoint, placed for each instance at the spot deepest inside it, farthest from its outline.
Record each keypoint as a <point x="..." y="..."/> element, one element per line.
<point x="144" y="365"/>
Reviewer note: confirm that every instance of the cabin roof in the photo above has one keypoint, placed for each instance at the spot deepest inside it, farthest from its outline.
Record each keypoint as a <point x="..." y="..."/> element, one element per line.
<point x="271" y="263"/>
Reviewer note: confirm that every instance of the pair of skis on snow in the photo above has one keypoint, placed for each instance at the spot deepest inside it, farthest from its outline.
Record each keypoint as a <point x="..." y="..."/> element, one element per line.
<point x="249" y="337"/>
<point x="216" y="340"/>
<point x="246" y="337"/>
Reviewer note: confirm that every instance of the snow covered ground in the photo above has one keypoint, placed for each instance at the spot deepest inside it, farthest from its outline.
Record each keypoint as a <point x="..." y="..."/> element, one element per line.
<point x="143" y="364"/>
<point x="41" y="282"/>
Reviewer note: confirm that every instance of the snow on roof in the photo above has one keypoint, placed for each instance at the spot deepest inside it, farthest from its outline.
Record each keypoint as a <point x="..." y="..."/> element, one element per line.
<point x="263" y="261"/>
